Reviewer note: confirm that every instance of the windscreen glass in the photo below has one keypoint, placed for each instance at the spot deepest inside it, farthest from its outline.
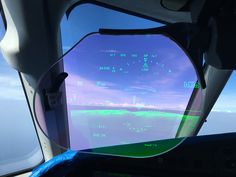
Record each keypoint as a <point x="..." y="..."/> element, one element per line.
<point x="124" y="90"/>
<point x="222" y="116"/>
<point x="88" y="18"/>
<point x="124" y="95"/>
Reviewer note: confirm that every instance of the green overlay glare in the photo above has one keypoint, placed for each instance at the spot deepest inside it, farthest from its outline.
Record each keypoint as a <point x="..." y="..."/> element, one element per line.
<point x="138" y="114"/>
<point x="140" y="150"/>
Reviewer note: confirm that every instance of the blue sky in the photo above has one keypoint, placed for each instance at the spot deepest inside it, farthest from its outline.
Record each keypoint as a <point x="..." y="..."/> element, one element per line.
<point x="227" y="100"/>
<point x="11" y="87"/>
<point x="82" y="22"/>
<point x="12" y="98"/>
<point x="151" y="69"/>
<point x="125" y="73"/>
<point x="16" y="127"/>
<point x="11" y="93"/>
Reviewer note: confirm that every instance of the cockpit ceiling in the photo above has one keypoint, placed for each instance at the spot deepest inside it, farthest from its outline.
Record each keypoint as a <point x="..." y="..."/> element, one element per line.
<point x="151" y="9"/>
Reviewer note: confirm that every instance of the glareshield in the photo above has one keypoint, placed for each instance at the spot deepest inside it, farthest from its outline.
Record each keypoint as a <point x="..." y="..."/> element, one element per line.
<point x="125" y="95"/>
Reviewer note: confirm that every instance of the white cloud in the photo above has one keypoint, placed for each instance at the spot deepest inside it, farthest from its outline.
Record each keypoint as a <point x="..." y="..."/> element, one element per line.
<point x="110" y="51"/>
<point x="66" y="47"/>
<point x="225" y="103"/>
<point x="88" y="93"/>
<point x="9" y="81"/>
<point x="11" y="88"/>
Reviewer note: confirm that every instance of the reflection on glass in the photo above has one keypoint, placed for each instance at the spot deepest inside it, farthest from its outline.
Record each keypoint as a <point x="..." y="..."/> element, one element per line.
<point x="126" y="89"/>
<point x="123" y="90"/>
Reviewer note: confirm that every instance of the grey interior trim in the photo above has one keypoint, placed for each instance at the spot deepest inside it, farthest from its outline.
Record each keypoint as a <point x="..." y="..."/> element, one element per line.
<point x="31" y="44"/>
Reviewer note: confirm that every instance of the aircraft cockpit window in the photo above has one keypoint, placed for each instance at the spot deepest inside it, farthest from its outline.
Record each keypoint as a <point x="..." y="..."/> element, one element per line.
<point x="81" y="22"/>
<point x="19" y="145"/>
<point x="126" y="95"/>
<point x="222" y="116"/>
